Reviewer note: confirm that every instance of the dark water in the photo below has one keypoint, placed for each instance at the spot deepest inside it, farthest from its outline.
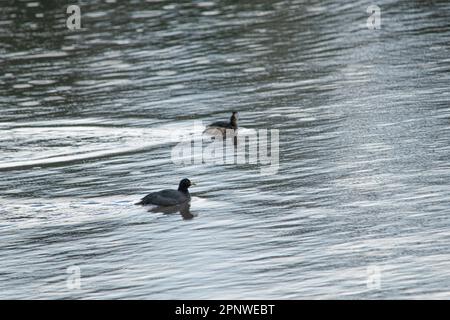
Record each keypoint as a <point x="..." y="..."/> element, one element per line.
<point x="87" y="119"/>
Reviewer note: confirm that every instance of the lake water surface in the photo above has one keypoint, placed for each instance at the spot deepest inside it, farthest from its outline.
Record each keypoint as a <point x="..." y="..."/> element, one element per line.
<point x="359" y="207"/>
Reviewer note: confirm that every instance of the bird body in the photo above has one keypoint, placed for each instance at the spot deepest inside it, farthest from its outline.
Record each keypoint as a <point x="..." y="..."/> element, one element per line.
<point x="166" y="197"/>
<point x="232" y="124"/>
<point x="222" y="124"/>
<point x="169" y="197"/>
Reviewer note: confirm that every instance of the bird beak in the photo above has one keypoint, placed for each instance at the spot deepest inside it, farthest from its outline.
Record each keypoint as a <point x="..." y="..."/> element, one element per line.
<point x="193" y="184"/>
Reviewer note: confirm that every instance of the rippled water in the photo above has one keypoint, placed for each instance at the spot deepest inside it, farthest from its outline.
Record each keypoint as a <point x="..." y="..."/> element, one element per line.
<point x="359" y="207"/>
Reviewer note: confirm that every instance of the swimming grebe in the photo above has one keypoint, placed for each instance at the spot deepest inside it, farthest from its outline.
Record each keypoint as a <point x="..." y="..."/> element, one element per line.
<point x="232" y="124"/>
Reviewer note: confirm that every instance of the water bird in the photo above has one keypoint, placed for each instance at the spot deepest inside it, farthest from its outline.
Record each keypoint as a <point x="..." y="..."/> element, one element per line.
<point x="232" y="124"/>
<point x="169" y="197"/>
<point x="221" y="127"/>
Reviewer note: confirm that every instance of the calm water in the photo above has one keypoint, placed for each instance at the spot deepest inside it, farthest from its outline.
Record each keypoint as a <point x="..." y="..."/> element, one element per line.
<point x="360" y="205"/>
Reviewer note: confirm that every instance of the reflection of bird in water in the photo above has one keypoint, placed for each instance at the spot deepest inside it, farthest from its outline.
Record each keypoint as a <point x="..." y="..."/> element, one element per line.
<point x="169" y="197"/>
<point x="183" y="209"/>
<point x="222" y="128"/>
